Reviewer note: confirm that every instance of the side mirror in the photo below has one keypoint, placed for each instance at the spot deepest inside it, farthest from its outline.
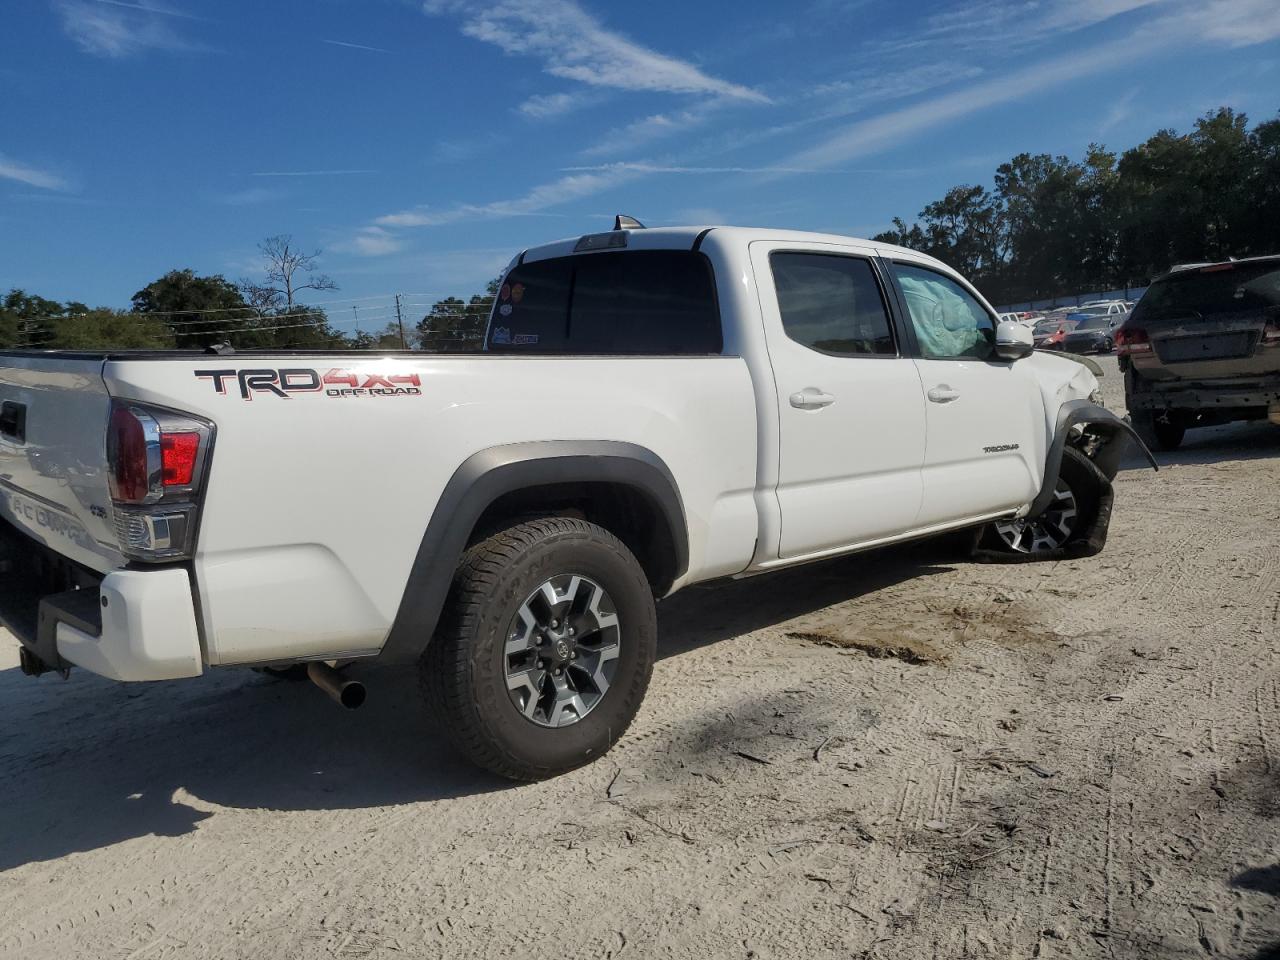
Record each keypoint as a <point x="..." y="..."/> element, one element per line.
<point x="1013" y="341"/>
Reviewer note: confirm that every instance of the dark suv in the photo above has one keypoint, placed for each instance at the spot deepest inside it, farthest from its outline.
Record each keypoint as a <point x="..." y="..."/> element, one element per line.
<point x="1202" y="347"/>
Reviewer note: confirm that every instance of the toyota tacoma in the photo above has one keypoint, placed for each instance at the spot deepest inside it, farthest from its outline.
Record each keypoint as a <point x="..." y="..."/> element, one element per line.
<point x="651" y="409"/>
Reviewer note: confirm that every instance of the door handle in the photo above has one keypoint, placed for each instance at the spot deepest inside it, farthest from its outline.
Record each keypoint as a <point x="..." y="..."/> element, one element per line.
<point x="811" y="398"/>
<point x="943" y="393"/>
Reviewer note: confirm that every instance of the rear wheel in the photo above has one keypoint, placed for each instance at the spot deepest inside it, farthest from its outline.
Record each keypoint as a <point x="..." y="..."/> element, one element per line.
<point x="1068" y="515"/>
<point x="1162" y="431"/>
<point x="545" y="650"/>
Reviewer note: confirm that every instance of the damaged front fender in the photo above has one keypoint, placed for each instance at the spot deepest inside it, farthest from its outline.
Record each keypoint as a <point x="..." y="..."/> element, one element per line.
<point x="1101" y="421"/>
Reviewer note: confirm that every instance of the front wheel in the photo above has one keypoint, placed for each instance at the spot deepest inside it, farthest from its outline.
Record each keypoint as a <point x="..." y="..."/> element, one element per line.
<point x="1064" y="520"/>
<point x="545" y="650"/>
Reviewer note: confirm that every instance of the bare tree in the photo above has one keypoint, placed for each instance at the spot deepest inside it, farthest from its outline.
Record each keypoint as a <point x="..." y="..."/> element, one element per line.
<point x="262" y="299"/>
<point x="289" y="270"/>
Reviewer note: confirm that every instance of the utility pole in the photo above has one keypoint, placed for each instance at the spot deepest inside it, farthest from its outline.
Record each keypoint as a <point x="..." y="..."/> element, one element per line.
<point x="356" y="312"/>
<point x="400" y="320"/>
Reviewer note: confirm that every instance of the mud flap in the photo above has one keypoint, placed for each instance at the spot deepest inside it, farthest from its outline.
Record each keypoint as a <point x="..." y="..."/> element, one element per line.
<point x="1088" y="543"/>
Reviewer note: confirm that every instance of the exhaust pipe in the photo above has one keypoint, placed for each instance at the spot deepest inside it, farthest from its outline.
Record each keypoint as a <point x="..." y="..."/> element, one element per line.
<point x="350" y="693"/>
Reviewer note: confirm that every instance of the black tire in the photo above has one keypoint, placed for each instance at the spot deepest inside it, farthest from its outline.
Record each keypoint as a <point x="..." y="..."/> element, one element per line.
<point x="1078" y="476"/>
<point x="463" y="671"/>
<point x="1108" y="345"/>
<point x="1158" y="433"/>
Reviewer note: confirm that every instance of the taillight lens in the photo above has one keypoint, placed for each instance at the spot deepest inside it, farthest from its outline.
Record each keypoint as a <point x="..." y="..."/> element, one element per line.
<point x="128" y="454"/>
<point x="1130" y="340"/>
<point x="156" y="460"/>
<point x="178" y="452"/>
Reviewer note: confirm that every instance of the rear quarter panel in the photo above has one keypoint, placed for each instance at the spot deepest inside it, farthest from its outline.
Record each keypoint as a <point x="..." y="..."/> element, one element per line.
<point x="316" y="503"/>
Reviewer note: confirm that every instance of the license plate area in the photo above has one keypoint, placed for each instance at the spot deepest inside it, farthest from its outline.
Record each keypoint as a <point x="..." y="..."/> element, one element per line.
<point x="1219" y="346"/>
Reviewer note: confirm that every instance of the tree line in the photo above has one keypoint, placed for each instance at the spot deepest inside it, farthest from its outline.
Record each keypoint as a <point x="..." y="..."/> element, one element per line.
<point x="1052" y="226"/>
<point x="184" y="310"/>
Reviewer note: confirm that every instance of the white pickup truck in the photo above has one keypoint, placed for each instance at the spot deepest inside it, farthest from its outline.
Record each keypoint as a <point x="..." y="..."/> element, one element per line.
<point x="652" y="409"/>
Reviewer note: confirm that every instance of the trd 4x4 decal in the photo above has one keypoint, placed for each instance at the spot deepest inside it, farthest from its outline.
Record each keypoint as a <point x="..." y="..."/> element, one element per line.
<point x="335" y="383"/>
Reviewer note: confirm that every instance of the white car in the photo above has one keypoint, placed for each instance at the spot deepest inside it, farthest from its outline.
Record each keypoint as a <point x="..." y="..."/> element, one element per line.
<point x="654" y="408"/>
<point x="1115" y="308"/>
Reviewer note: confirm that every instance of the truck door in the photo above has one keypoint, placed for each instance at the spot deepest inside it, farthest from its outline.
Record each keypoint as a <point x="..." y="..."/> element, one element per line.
<point x="850" y="408"/>
<point x="985" y="437"/>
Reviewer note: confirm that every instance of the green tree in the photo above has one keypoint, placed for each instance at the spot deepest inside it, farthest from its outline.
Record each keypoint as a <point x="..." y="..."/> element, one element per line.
<point x="457" y="326"/>
<point x="200" y="310"/>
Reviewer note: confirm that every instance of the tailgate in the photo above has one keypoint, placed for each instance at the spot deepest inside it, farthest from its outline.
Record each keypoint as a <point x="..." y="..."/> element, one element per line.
<point x="53" y="471"/>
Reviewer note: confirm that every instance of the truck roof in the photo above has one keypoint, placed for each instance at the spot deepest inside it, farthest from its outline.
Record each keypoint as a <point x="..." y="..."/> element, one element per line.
<point x="685" y="238"/>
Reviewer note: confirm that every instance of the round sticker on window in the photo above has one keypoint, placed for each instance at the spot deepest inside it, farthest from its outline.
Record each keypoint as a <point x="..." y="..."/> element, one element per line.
<point x="517" y="292"/>
<point x="505" y="292"/>
<point x="505" y="310"/>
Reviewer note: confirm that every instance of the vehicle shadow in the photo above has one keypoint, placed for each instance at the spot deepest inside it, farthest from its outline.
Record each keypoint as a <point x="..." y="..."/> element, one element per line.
<point x="1234" y="441"/>
<point x="88" y="763"/>
<point x="709" y="613"/>
<point x="1261" y="880"/>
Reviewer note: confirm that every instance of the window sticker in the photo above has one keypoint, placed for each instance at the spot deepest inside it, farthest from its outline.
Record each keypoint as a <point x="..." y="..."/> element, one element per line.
<point x="505" y="292"/>
<point x="517" y="293"/>
<point x="500" y="335"/>
<point x="524" y="339"/>
<point x="505" y="310"/>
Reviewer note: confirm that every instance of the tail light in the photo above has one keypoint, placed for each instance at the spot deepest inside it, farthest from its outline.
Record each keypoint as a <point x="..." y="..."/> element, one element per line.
<point x="1271" y="332"/>
<point x="156" y="461"/>
<point x="1131" y="340"/>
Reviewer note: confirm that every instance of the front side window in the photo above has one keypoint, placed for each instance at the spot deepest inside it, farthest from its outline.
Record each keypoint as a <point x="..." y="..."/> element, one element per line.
<point x="623" y="303"/>
<point x="949" y="322"/>
<point x="832" y="304"/>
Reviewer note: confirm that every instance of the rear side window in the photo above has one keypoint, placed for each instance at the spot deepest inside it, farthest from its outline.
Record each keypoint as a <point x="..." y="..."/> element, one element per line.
<point x="641" y="302"/>
<point x="832" y="304"/>
<point x="1229" y="288"/>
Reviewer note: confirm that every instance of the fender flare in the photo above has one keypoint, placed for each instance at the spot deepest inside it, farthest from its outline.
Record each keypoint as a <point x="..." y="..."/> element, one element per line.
<point x="1083" y="411"/>
<point x="491" y="473"/>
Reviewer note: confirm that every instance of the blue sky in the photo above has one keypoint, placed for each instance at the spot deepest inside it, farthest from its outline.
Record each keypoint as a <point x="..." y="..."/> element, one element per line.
<point x="421" y="144"/>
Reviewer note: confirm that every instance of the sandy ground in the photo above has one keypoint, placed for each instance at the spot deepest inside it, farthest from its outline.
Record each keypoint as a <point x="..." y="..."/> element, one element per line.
<point x="1072" y="759"/>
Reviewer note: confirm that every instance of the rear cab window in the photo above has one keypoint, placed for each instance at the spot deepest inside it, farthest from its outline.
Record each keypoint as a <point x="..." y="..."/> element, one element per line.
<point x="832" y="304"/>
<point x="617" y="303"/>
<point x="1219" y="289"/>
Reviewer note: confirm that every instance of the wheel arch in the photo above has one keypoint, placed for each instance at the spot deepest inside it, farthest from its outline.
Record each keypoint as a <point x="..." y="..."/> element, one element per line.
<point x="624" y="487"/>
<point x="1101" y="421"/>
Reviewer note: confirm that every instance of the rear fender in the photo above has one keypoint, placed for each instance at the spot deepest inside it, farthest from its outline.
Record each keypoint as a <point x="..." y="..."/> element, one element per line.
<point x="492" y="473"/>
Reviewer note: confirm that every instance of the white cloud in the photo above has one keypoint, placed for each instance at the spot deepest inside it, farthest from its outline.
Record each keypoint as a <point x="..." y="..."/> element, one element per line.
<point x="650" y="129"/>
<point x="31" y="176"/>
<point x="247" y="198"/>
<point x="111" y="28"/>
<point x="354" y="46"/>
<point x="1013" y="24"/>
<point x="310" y="173"/>
<point x="544" y="106"/>
<point x="574" y="186"/>
<point x="572" y="44"/>
<point x="1119" y="111"/>
<point x="372" y="242"/>
<point x="1230" y="22"/>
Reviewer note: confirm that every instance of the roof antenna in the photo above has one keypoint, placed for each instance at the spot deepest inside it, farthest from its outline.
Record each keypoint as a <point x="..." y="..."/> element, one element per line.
<point x="623" y="222"/>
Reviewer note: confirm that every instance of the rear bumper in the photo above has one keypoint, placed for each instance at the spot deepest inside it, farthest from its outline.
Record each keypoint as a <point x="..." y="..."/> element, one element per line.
<point x="1206" y="397"/>
<point x="134" y="625"/>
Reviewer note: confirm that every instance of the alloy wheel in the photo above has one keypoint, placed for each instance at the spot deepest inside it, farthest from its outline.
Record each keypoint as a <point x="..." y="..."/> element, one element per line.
<point x="561" y="651"/>
<point x="1049" y="531"/>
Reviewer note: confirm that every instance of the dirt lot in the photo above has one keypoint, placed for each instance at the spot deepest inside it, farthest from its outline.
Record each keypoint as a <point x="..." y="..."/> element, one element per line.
<point x="894" y="755"/>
